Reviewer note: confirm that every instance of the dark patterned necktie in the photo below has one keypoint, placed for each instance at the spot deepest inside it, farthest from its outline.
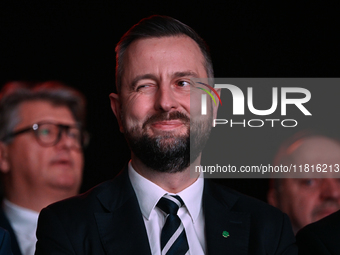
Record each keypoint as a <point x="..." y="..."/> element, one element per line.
<point x="173" y="238"/>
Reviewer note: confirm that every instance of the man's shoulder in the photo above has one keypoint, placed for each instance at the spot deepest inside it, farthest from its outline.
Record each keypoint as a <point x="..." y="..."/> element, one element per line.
<point x="322" y="229"/>
<point x="4" y="223"/>
<point x="242" y="203"/>
<point x="263" y="228"/>
<point x="262" y="216"/>
<point x="84" y="199"/>
<point x="320" y="237"/>
<point x="5" y="242"/>
<point x="3" y="234"/>
<point x="95" y="199"/>
<point x="328" y="224"/>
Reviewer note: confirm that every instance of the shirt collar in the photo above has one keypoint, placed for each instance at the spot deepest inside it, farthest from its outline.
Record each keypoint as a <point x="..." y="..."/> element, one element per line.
<point x="148" y="194"/>
<point x="192" y="197"/>
<point x="20" y="216"/>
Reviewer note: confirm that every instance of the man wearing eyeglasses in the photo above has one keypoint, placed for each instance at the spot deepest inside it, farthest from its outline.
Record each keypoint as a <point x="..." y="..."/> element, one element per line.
<point x="41" y="158"/>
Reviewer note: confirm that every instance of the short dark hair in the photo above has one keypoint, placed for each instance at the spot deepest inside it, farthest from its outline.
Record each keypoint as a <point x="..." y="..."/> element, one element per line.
<point x="157" y="26"/>
<point x="14" y="94"/>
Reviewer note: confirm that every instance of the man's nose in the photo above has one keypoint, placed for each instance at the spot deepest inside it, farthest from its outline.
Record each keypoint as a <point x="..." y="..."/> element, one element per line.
<point x="330" y="188"/>
<point x="166" y="98"/>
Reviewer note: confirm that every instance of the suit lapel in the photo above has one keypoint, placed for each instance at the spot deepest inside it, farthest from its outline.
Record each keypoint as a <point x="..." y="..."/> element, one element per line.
<point x="4" y="223"/>
<point x="227" y="232"/>
<point x="122" y="228"/>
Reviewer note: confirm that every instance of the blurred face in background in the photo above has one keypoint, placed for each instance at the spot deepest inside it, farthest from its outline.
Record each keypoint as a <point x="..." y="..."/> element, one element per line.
<point x="31" y="167"/>
<point x="309" y="199"/>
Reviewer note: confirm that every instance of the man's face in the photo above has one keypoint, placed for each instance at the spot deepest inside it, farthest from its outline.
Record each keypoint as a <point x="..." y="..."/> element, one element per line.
<point x="35" y="167"/>
<point x="153" y="108"/>
<point x="308" y="200"/>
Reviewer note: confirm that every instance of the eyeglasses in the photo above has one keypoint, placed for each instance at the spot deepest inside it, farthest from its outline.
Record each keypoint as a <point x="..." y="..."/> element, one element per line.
<point x="49" y="134"/>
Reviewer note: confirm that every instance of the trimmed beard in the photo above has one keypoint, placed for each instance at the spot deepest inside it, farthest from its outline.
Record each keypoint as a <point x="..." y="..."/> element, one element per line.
<point x="169" y="153"/>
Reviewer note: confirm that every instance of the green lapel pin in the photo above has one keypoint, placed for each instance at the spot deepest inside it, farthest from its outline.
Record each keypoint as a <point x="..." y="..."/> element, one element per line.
<point x="225" y="234"/>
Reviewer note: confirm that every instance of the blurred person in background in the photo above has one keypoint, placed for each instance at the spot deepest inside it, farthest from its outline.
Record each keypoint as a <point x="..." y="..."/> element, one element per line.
<point x="5" y="242"/>
<point x="310" y="198"/>
<point x="41" y="154"/>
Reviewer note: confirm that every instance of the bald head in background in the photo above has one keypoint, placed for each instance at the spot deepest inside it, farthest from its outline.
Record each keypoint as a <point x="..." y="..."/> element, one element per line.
<point x="307" y="200"/>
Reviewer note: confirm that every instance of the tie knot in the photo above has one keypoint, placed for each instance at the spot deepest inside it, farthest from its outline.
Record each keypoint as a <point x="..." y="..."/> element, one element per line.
<point x="170" y="204"/>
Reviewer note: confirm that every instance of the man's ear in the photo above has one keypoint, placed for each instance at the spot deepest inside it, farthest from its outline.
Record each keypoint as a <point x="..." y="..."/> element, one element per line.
<point x="4" y="162"/>
<point x="115" y="106"/>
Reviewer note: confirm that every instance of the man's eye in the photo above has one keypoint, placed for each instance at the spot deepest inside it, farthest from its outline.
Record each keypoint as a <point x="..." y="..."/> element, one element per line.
<point x="308" y="182"/>
<point x="183" y="83"/>
<point x="142" y="87"/>
<point x="75" y="134"/>
<point x="44" y="131"/>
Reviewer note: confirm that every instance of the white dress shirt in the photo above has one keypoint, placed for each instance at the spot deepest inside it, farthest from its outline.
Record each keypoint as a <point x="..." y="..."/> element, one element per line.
<point x="24" y="223"/>
<point x="191" y="214"/>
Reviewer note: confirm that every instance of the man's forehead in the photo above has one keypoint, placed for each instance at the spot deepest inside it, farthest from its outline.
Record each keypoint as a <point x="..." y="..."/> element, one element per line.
<point x="180" y="43"/>
<point x="173" y="54"/>
<point x="38" y="110"/>
<point x="317" y="149"/>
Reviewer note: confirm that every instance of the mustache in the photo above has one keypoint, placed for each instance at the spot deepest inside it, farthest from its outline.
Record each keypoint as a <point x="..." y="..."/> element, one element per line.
<point x="164" y="116"/>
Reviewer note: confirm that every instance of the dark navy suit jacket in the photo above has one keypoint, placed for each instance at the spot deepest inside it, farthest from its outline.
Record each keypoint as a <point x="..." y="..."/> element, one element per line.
<point x="108" y="220"/>
<point x="321" y="237"/>
<point x="5" y="243"/>
<point x="4" y="223"/>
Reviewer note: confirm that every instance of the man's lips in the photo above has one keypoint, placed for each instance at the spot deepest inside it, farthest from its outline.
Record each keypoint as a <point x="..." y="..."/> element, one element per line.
<point x="167" y="120"/>
<point x="62" y="162"/>
<point x="167" y="124"/>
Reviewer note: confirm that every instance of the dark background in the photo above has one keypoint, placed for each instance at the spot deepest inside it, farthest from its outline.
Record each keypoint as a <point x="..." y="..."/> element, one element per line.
<point x="74" y="41"/>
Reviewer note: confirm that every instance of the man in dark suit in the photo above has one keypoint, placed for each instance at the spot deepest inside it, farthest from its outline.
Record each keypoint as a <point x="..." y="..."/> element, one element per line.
<point x="156" y="206"/>
<point x="41" y="158"/>
<point x="4" y="223"/>
<point x="5" y="243"/>
<point x="321" y="237"/>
